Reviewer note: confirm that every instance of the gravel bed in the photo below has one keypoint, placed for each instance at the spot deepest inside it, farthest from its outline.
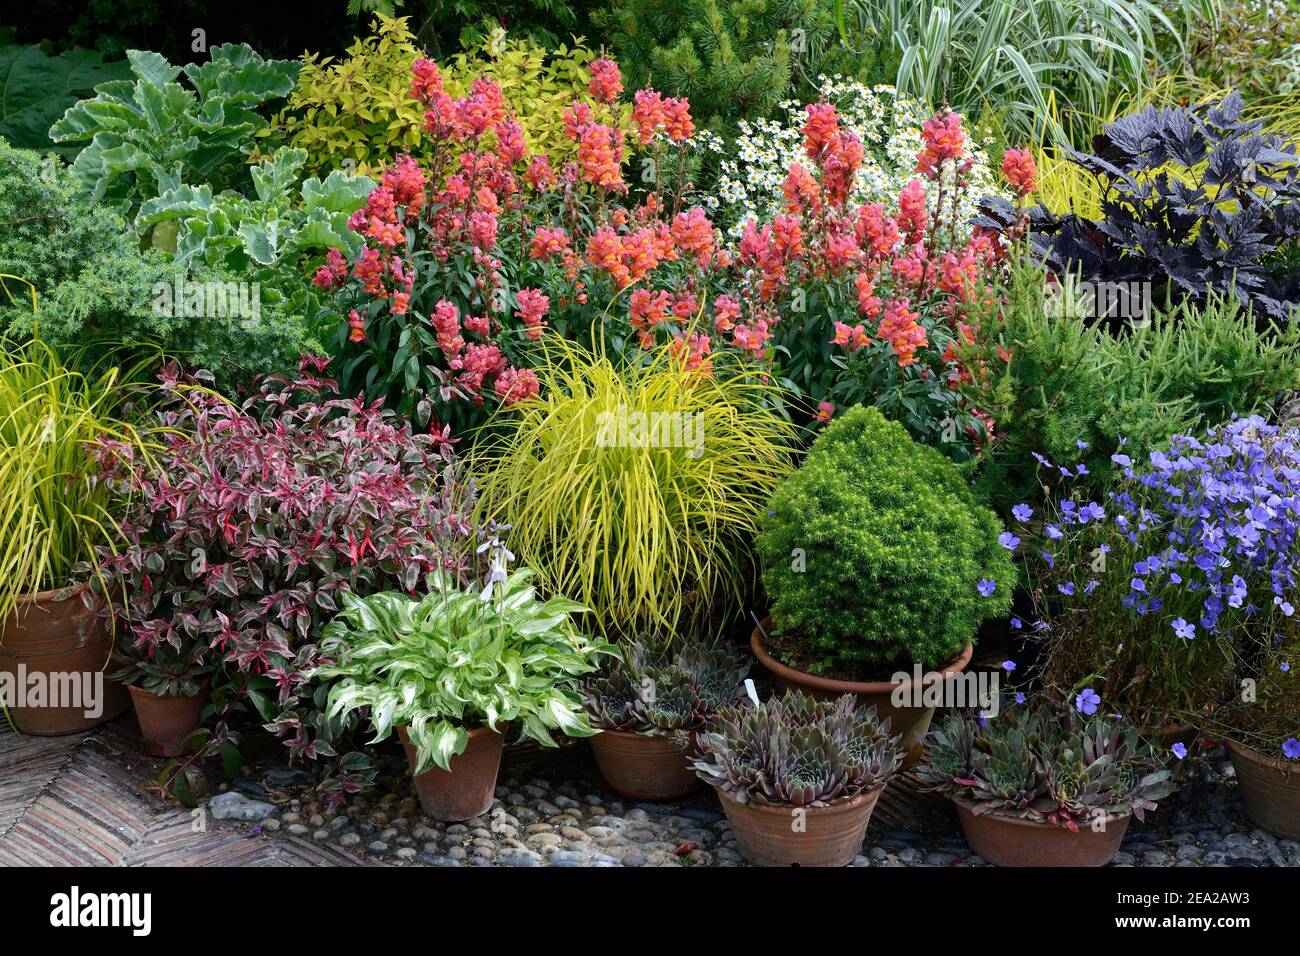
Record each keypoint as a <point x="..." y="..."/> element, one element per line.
<point x="566" y="817"/>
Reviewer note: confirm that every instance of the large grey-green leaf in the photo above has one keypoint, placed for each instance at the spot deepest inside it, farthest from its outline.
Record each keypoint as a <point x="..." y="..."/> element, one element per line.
<point x="36" y="89"/>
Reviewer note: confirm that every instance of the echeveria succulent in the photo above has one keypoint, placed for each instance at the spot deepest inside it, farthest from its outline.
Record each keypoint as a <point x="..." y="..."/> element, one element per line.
<point x="797" y="751"/>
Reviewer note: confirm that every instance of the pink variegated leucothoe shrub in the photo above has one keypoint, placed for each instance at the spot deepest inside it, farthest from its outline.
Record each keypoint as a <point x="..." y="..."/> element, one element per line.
<point x="253" y="521"/>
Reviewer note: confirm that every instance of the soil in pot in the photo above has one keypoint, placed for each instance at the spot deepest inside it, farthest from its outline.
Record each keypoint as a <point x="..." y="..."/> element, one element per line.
<point x="1010" y="841"/>
<point x="643" y="767"/>
<point x="466" y="790"/>
<point x="167" y="721"/>
<point x="1270" y="787"/>
<point x="52" y="640"/>
<point x="800" y="836"/>
<point x="911" y="722"/>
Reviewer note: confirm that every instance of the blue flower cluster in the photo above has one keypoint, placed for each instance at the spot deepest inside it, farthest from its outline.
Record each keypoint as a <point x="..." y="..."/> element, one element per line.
<point x="1226" y="512"/>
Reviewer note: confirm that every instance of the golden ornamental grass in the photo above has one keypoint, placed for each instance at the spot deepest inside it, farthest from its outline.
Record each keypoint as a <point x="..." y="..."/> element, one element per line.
<point x="646" y="520"/>
<point x="53" y="511"/>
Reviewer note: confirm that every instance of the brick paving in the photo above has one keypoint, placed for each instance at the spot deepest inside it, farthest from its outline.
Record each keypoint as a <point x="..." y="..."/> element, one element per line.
<point x="80" y="801"/>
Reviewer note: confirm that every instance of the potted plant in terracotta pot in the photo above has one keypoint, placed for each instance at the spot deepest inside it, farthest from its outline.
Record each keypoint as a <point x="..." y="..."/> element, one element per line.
<point x="1260" y="727"/>
<point x="798" y="777"/>
<point x="1249" y="489"/>
<point x="1140" y="590"/>
<point x="1037" y="787"/>
<point x="170" y="686"/>
<point x="452" y="671"/>
<point x="650" y="705"/>
<point x="1259" y="723"/>
<point x="251" y="522"/>
<point x="56" y="513"/>
<point x="880" y="566"/>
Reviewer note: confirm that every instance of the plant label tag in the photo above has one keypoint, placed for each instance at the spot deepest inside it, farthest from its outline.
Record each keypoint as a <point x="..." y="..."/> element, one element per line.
<point x="749" y="689"/>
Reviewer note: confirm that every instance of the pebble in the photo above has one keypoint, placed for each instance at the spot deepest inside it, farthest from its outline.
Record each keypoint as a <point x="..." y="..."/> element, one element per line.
<point x="233" y="805"/>
<point x="575" y="821"/>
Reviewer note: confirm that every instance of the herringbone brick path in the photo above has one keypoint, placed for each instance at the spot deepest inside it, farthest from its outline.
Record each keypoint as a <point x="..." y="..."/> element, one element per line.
<point x="79" y="801"/>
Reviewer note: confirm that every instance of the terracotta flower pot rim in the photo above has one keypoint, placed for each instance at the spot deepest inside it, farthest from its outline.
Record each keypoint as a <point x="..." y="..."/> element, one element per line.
<point x="204" y="682"/>
<point x="844" y="803"/>
<point x="1279" y="764"/>
<point x="477" y="730"/>
<point x="954" y="666"/>
<point x="653" y="735"/>
<point x="51" y="595"/>
<point x="969" y="807"/>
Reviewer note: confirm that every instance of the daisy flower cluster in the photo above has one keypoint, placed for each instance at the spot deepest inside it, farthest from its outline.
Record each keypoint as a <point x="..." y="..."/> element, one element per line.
<point x="890" y="129"/>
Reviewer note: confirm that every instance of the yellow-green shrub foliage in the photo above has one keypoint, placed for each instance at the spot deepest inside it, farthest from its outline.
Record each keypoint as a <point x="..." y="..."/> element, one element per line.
<point x="358" y="111"/>
<point x="537" y="84"/>
<point x="357" y="108"/>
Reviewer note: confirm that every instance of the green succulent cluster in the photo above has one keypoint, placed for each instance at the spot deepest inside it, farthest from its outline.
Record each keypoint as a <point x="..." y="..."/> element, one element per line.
<point x="655" y="691"/>
<point x="798" y="751"/>
<point x="874" y="552"/>
<point x="1037" y="765"/>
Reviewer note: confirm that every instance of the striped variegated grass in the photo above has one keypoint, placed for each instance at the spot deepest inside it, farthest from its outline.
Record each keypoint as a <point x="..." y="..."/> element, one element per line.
<point x="1010" y="57"/>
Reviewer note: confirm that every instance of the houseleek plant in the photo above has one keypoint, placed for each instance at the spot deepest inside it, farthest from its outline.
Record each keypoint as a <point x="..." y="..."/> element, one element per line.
<point x="656" y="691"/>
<point x="797" y="751"/>
<point x="1039" y="765"/>
<point x="457" y="658"/>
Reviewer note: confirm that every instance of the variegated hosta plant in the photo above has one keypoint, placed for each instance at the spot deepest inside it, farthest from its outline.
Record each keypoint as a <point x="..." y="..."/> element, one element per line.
<point x="458" y="658"/>
<point x="654" y="691"/>
<point x="797" y="751"/>
<point x="1040" y="765"/>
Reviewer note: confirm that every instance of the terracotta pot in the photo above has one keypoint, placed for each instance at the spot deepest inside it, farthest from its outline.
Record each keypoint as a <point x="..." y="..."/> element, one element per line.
<point x="819" y="836"/>
<point x="54" y="633"/>
<point x="167" y="721"/>
<point x="1008" y="841"/>
<point x="466" y="790"/>
<point x="641" y="767"/>
<point x="911" y="722"/>
<point x="1271" y="788"/>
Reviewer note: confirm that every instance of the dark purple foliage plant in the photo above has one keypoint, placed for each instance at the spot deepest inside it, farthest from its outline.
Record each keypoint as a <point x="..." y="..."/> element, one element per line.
<point x="1193" y="199"/>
